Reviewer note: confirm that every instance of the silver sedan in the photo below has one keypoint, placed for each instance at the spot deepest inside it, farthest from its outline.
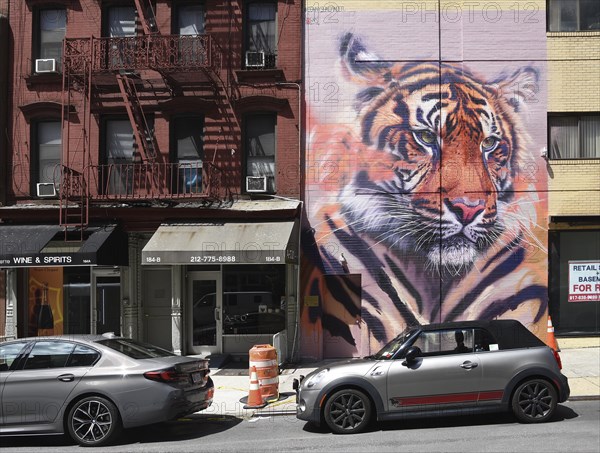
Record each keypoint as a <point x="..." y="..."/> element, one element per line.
<point x="94" y="386"/>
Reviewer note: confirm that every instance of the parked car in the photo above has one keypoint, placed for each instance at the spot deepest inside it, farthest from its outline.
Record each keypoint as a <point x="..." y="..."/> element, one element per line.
<point x="92" y="386"/>
<point x="438" y="369"/>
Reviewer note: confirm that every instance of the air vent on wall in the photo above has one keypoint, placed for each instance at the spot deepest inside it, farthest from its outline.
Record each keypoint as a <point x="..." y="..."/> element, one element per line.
<point x="45" y="190"/>
<point x="256" y="183"/>
<point x="255" y="59"/>
<point x="45" y="65"/>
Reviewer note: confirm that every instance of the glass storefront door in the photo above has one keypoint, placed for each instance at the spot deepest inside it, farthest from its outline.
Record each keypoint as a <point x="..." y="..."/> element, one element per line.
<point x="106" y="301"/>
<point x="205" y="305"/>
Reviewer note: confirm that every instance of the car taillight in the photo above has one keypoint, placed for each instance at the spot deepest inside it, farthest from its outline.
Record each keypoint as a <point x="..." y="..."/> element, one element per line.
<point x="557" y="357"/>
<point x="168" y="375"/>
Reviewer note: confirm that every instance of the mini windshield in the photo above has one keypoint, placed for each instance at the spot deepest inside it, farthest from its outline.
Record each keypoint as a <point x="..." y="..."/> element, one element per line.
<point x="390" y="349"/>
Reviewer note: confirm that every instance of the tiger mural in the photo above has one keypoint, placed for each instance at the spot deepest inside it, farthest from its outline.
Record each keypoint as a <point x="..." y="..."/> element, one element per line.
<point x="435" y="204"/>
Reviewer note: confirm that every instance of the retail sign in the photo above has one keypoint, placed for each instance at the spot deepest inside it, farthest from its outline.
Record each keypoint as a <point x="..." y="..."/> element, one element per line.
<point x="584" y="281"/>
<point x="50" y="259"/>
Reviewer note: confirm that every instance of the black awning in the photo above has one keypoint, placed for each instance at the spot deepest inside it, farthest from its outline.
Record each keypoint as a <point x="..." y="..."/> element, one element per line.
<point x="45" y="245"/>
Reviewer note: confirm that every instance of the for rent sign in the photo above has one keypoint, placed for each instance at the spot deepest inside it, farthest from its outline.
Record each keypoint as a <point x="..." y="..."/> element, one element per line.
<point x="584" y="281"/>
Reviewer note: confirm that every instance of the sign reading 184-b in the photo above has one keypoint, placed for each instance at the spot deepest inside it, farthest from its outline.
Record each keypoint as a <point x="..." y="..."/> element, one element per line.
<point x="584" y="281"/>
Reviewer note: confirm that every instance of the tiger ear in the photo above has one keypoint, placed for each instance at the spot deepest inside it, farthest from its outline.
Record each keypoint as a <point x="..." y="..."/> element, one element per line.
<point x="361" y="66"/>
<point x="521" y="88"/>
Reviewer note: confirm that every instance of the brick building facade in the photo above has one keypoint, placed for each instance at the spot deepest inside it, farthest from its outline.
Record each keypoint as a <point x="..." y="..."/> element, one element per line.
<point x="152" y="165"/>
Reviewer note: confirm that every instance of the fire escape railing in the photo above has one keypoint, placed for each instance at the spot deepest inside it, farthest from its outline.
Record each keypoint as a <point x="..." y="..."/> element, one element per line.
<point x="138" y="181"/>
<point x="170" y="53"/>
<point x="149" y="178"/>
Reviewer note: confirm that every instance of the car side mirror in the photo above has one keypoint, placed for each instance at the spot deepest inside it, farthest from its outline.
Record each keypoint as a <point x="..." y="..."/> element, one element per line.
<point x="411" y="355"/>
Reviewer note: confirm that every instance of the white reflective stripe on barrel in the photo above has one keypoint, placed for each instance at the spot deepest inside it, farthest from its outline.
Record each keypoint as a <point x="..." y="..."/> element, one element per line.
<point x="269" y="381"/>
<point x="263" y="363"/>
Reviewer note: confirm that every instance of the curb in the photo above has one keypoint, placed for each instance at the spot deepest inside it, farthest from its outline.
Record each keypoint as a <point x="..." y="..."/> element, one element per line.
<point x="273" y="413"/>
<point x="267" y="413"/>
<point x="584" y="398"/>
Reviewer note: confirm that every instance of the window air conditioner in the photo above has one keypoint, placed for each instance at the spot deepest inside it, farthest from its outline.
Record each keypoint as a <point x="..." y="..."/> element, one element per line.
<point x="256" y="183"/>
<point x="45" y="65"/>
<point x="255" y="59"/>
<point x="46" y="189"/>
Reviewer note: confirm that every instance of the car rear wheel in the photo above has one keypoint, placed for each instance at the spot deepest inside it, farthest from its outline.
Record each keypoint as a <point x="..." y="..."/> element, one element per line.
<point x="348" y="411"/>
<point x="534" y="401"/>
<point x="94" y="421"/>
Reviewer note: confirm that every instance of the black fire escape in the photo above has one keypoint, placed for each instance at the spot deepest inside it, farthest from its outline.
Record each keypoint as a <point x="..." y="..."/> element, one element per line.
<point x="86" y="61"/>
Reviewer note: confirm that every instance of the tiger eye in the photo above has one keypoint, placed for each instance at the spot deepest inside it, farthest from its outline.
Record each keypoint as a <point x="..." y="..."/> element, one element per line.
<point x="427" y="137"/>
<point x="489" y="143"/>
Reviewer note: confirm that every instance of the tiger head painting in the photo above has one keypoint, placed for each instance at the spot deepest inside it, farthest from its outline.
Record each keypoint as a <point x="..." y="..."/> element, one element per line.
<point x="439" y="214"/>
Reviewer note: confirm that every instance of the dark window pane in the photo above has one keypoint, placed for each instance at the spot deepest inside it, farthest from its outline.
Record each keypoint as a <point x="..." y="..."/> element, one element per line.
<point x="189" y="135"/>
<point x="574" y="136"/>
<point x="261" y="147"/>
<point x="254" y="299"/>
<point x="49" y="150"/>
<point x="119" y="156"/>
<point x="574" y="15"/>
<point x="564" y="137"/>
<point x="48" y="354"/>
<point x="53" y="25"/>
<point x="191" y="20"/>
<point x="261" y="27"/>
<point x="8" y="354"/>
<point x="83" y="356"/>
<point x="589" y="128"/>
<point x="589" y="14"/>
<point x="484" y="341"/>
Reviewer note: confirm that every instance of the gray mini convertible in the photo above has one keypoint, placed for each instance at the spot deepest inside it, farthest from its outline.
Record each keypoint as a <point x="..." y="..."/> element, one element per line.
<point x="438" y="369"/>
<point x="92" y="386"/>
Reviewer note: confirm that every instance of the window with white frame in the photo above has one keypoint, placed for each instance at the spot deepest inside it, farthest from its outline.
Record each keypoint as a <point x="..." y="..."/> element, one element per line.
<point x="47" y="143"/>
<point x="261" y="35"/>
<point x="50" y="34"/>
<point x="261" y="146"/>
<point x="574" y="136"/>
<point x="573" y="15"/>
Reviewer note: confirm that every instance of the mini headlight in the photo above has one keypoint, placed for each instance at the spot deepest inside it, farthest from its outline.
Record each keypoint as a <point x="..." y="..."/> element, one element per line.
<point x="314" y="380"/>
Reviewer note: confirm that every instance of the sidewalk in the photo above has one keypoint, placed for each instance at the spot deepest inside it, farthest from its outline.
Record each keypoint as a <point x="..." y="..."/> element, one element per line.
<point x="580" y="358"/>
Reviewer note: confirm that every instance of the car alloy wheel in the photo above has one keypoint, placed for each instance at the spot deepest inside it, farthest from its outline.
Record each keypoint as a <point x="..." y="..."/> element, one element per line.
<point x="94" y="421"/>
<point x="534" y="401"/>
<point x="348" y="411"/>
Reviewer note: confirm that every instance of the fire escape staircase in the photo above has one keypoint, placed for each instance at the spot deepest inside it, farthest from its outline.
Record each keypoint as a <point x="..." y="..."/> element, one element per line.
<point x="73" y="192"/>
<point x="78" y="68"/>
<point x="143" y="133"/>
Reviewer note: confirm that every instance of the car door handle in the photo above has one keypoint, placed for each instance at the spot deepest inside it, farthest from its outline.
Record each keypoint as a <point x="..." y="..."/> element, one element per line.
<point x="468" y="365"/>
<point x="66" y="377"/>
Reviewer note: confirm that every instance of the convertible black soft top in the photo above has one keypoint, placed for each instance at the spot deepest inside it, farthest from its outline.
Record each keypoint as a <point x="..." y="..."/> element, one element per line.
<point x="509" y="333"/>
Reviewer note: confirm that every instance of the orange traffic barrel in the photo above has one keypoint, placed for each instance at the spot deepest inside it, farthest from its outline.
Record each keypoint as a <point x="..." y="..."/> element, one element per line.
<point x="264" y="358"/>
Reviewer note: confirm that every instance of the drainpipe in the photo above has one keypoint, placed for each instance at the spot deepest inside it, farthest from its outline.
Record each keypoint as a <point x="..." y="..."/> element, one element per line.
<point x="299" y="88"/>
<point x="300" y="162"/>
<point x="4" y="48"/>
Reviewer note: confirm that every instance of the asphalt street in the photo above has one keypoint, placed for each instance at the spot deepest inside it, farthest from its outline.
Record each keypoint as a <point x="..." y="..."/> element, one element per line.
<point x="575" y="428"/>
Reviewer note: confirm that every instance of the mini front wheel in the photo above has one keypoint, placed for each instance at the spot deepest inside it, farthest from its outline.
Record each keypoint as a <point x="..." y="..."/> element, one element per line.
<point x="94" y="421"/>
<point x="534" y="401"/>
<point x="348" y="411"/>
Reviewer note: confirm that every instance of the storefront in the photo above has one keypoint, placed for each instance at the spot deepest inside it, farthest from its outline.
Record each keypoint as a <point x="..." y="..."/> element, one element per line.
<point x="574" y="283"/>
<point x="221" y="287"/>
<point x="57" y="283"/>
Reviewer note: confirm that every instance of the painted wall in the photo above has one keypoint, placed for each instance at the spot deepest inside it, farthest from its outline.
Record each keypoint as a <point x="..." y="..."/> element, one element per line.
<point x="425" y="182"/>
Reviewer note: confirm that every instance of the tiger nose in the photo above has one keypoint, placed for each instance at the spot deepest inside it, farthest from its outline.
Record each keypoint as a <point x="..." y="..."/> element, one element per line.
<point x="465" y="210"/>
